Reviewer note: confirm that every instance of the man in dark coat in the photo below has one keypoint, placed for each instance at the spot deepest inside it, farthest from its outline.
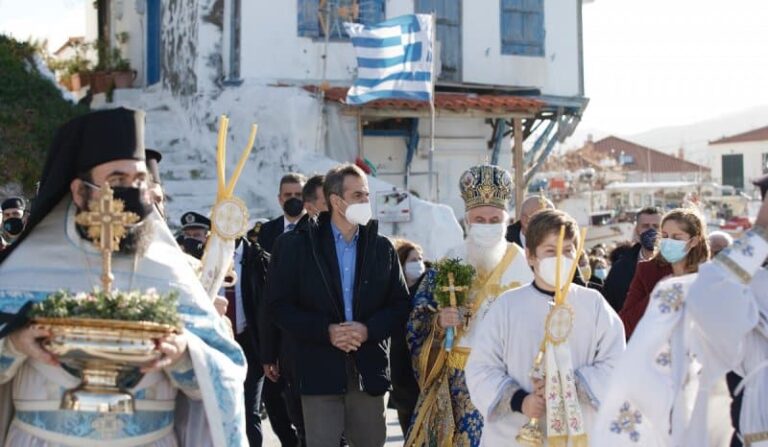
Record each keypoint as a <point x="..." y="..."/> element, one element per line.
<point x="336" y="287"/>
<point x="622" y="271"/>
<point x="251" y="263"/>
<point x="291" y="201"/>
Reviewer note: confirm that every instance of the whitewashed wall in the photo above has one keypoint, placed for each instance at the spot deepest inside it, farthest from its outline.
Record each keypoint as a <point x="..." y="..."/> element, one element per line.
<point x="556" y="73"/>
<point x="753" y="160"/>
<point x="272" y="49"/>
<point x="459" y="144"/>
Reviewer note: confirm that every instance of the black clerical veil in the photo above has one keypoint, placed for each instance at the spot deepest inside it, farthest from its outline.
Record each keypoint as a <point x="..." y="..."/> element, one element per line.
<point x="80" y="144"/>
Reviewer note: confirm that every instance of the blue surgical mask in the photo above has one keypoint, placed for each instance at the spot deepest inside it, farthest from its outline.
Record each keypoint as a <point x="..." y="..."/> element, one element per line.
<point x="601" y="273"/>
<point x="673" y="250"/>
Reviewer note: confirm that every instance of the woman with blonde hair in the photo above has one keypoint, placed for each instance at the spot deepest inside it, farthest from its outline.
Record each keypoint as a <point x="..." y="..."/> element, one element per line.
<point x="682" y="248"/>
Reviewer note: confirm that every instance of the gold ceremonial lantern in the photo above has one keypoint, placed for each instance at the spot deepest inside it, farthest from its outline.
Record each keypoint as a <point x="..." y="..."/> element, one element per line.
<point x="107" y="354"/>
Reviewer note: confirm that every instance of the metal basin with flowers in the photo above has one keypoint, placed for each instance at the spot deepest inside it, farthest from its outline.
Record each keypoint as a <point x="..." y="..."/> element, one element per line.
<point x="108" y="352"/>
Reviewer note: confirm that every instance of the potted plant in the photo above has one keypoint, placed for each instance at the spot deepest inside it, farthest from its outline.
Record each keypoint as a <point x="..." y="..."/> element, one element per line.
<point x="77" y="71"/>
<point x="79" y="66"/>
<point x="123" y="74"/>
<point x="101" y="77"/>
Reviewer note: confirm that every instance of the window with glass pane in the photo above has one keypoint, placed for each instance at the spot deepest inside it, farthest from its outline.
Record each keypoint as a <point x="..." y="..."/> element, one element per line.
<point x="317" y="16"/>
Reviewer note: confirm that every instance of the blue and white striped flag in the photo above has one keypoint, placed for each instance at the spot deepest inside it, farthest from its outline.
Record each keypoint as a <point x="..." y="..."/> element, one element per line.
<point x="394" y="59"/>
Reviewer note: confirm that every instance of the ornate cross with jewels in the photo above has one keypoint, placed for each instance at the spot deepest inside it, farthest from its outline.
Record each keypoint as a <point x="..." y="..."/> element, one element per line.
<point x="106" y="222"/>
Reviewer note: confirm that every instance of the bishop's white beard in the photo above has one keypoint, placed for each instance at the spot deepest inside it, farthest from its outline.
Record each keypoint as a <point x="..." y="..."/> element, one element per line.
<point x="485" y="259"/>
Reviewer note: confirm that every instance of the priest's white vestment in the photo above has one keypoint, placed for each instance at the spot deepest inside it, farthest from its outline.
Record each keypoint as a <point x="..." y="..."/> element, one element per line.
<point x="209" y="411"/>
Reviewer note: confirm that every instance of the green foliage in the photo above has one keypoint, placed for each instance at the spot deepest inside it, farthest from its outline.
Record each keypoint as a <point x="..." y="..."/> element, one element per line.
<point x="31" y="109"/>
<point x="111" y="59"/>
<point x="463" y="275"/>
<point x="124" y="306"/>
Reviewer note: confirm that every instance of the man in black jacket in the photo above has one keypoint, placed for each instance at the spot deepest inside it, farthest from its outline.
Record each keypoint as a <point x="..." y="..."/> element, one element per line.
<point x="336" y="287"/>
<point x="251" y="263"/>
<point x="647" y="223"/>
<point x="291" y="201"/>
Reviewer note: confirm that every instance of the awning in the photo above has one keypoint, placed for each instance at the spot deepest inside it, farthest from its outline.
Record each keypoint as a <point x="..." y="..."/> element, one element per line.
<point x="486" y="105"/>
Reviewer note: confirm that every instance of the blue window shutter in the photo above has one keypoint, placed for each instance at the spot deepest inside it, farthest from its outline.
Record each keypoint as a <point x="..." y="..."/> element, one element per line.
<point x="371" y="11"/>
<point x="522" y="27"/>
<point x="308" y="23"/>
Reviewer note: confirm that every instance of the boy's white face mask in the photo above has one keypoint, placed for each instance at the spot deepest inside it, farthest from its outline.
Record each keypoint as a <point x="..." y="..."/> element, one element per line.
<point x="547" y="270"/>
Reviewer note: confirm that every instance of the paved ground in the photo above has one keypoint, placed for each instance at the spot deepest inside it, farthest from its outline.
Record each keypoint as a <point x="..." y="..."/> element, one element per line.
<point x="394" y="434"/>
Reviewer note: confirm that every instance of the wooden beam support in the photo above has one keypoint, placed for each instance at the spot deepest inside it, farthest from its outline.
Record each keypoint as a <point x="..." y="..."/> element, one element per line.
<point x="517" y="157"/>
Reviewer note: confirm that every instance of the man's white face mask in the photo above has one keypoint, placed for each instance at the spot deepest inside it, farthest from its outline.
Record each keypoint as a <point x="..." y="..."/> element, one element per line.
<point x="486" y="235"/>
<point x="359" y="213"/>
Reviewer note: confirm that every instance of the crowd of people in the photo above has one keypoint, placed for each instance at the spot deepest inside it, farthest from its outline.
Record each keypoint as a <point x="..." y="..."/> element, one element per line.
<point x="322" y="318"/>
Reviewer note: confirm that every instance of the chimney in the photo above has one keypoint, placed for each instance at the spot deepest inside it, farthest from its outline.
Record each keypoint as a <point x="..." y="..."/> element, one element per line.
<point x="681" y="153"/>
<point x="589" y="145"/>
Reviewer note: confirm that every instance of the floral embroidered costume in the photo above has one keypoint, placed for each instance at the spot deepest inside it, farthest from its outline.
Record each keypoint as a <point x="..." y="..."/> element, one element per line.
<point x="697" y="328"/>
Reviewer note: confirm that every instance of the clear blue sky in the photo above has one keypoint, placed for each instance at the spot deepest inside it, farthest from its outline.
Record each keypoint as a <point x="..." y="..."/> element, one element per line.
<point x="653" y="63"/>
<point x="648" y="63"/>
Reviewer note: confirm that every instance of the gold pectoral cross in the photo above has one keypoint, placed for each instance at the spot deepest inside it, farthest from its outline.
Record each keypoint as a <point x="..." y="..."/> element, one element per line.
<point x="106" y="222"/>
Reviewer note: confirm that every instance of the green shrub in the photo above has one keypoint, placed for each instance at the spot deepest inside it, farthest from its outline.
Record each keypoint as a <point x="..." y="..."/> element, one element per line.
<point x="31" y="109"/>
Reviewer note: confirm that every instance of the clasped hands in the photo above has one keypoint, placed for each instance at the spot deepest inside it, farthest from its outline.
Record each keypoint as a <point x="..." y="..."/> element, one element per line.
<point x="28" y="341"/>
<point x="348" y="336"/>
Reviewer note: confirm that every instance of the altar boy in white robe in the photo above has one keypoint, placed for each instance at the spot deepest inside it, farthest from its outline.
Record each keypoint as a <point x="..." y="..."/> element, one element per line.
<point x="575" y="363"/>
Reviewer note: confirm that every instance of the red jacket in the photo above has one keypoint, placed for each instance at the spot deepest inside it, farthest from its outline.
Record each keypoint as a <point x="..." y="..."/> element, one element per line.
<point x="647" y="275"/>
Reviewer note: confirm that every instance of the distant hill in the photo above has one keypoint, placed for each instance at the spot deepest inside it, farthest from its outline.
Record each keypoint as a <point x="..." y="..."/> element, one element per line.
<point x="693" y="137"/>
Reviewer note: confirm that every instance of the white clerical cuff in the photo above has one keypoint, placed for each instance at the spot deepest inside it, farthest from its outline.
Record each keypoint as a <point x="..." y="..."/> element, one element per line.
<point x="746" y="255"/>
<point x="182" y="375"/>
<point x="10" y="359"/>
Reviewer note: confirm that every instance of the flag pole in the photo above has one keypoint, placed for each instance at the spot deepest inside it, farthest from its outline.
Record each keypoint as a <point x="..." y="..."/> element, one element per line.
<point x="432" y="194"/>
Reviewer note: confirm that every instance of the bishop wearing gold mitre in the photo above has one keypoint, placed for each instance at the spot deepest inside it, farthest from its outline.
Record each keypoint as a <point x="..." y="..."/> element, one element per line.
<point x="445" y="415"/>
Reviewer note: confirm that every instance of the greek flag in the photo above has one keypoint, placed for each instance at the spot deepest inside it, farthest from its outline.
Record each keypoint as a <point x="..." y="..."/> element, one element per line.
<point x="394" y="59"/>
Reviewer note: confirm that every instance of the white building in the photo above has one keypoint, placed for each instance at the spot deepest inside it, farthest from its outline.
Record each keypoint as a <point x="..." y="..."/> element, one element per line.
<point x="502" y="63"/>
<point x="740" y="159"/>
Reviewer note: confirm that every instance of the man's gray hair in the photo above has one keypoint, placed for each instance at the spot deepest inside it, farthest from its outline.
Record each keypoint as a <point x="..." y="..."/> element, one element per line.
<point x="334" y="180"/>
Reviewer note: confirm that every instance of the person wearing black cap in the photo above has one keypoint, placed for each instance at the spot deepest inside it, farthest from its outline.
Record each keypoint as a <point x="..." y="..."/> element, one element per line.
<point x="12" y="220"/>
<point x="194" y="233"/>
<point x="54" y="253"/>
